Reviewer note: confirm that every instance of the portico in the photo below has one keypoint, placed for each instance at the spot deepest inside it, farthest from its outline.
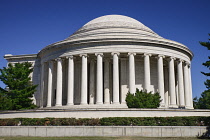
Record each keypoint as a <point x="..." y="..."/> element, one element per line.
<point x="98" y="70"/>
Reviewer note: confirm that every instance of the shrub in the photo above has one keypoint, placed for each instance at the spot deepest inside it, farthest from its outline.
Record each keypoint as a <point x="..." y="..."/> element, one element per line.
<point x="111" y="121"/>
<point x="143" y="99"/>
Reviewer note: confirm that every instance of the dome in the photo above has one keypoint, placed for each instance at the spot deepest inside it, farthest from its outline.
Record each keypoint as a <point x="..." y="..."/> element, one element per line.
<point x="112" y="29"/>
<point x="113" y="18"/>
<point x="115" y="26"/>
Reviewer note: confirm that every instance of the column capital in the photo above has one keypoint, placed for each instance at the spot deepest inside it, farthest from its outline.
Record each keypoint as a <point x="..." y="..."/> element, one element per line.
<point x="113" y="53"/>
<point x="58" y="59"/>
<point x="171" y="58"/>
<point x="180" y="60"/>
<point x="131" y="53"/>
<point x="101" y="54"/>
<point x="187" y="63"/>
<point x="147" y="54"/>
<point x="160" y="55"/>
<point x="85" y="55"/>
<point x="70" y="56"/>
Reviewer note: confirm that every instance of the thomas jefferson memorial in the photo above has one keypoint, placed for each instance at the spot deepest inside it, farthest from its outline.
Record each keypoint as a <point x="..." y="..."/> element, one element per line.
<point x="104" y="60"/>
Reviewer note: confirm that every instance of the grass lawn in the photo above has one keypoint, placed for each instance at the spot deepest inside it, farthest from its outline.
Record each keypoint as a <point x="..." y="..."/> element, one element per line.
<point x="96" y="138"/>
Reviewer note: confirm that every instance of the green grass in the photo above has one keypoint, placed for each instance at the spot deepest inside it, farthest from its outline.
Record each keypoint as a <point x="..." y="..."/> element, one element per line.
<point x="96" y="138"/>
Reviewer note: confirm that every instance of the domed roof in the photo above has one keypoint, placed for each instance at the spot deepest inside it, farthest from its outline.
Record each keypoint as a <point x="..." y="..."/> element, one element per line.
<point x="113" y="25"/>
<point x="111" y="29"/>
<point x="113" y="18"/>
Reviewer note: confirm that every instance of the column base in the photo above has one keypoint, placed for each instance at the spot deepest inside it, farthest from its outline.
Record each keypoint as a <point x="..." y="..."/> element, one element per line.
<point x="116" y="103"/>
<point x="162" y="106"/>
<point x="189" y="107"/>
<point x="48" y="106"/>
<point x="106" y="103"/>
<point x="173" y="106"/>
<point x="182" y="107"/>
<point x="58" y="105"/>
<point x="99" y="103"/>
<point x="69" y="104"/>
<point x="83" y="104"/>
<point x="41" y="107"/>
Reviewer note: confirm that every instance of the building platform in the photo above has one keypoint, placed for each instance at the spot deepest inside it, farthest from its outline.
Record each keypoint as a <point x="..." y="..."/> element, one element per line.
<point x="101" y="112"/>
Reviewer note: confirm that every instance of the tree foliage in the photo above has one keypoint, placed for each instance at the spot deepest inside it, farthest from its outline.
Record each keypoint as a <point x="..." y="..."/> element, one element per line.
<point x="204" y="101"/>
<point x="19" y="88"/>
<point x="143" y="99"/>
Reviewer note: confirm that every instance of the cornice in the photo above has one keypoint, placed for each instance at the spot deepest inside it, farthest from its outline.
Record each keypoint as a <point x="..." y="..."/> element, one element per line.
<point x="127" y="40"/>
<point x="8" y="57"/>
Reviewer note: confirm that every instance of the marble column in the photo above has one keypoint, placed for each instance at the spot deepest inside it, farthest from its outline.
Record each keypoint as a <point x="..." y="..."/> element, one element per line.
<point x="166" y="78"/>
<point x="84" y="80"/>
<point x="59" y="87"/>
<point x="186" y="86"/>
<point x="106" y="81"/>
<point x="147" y="79"/>
<point x="161" y="79"/>
<point x="70" y="87"/>
<point x="49" y="96"/>
<point x="190" y="86"/>
<point x="172" y="89"/>
<point x="180" y="83"/>
<point x="115" y="78"/>
<point x="99" y="82"/>
<point x="92" y="82"/>
<point x="132" y="88"/>
<point x="42" y="84"/>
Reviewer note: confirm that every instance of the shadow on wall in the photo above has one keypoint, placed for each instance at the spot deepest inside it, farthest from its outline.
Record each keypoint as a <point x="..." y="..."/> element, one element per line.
<point x="205" y="135"/>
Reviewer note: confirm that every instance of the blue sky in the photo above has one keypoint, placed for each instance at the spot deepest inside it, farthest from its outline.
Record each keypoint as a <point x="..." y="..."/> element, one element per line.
<point x="27" y="26"/>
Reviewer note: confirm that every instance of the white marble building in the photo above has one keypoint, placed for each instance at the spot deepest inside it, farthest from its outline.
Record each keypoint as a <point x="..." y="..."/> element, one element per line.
<point x="97" y="65"/>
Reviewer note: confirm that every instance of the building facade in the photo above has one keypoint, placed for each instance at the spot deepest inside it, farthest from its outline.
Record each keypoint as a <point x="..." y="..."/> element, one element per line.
<point x="104" y="60"/>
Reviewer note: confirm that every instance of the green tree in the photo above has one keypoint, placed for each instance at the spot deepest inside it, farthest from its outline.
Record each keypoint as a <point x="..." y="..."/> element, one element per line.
<point x="143" y="99"/>
<point x="204" y="101"/>
<point x="19" y="88"/>
<point x="5" y="103"/>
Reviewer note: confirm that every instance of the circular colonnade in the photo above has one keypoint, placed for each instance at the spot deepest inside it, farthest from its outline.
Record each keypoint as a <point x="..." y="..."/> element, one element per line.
<point x="109" y="57"/>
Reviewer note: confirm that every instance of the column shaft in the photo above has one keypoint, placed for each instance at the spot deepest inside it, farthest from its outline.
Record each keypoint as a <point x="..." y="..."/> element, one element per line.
<point x="49" y="97"/>
<point x="99" y="84"/>
<point x="42" y="85"/>
<point x="161" y="80"/>
<point x="59" y="83"/>
<point x="190" y="86"/>
<point x="180" y="84"/>
<point x="70" y="88"/>
<point x="92" y="82"/>
<point x="132" y="88"/>
<point x="84" y="80"/>
<point x="166" y="83"/>
<point x="147" y="72"/>
<point x="115" y="78"/>
<point x="186" y="86"/>
<point x="172" y="92"/>
<point x="106" y="82"/>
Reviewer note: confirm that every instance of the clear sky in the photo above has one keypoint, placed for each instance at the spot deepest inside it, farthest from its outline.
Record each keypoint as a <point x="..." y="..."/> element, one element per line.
<point x="27" y="26"/>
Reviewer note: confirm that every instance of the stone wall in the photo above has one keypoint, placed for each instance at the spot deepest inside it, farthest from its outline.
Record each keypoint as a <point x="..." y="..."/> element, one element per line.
<point x="63" y="131"/>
